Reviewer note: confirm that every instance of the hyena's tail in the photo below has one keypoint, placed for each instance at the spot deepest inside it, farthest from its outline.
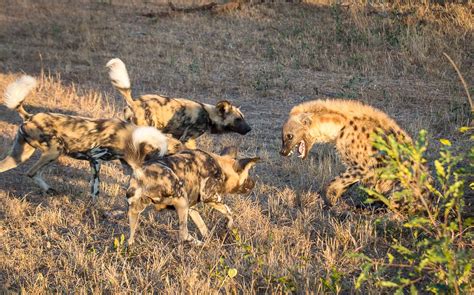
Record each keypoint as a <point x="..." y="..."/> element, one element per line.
<point x="144" y="140"/>
<point x="119" y="77"/>
<point x="16" y="93"/>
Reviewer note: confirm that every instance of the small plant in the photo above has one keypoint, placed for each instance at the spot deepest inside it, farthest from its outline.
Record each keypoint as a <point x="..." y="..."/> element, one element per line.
<point x="119" y="244"/>
<point x="333" y="282"/>
<point x="222" y="271"/>
<point x="430" y="246"/>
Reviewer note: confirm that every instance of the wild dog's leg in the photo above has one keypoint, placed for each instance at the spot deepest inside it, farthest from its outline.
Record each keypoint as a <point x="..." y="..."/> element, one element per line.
<point x="95" y="180"/>
<point x="19" y="152"/>
<point x="197" y="219"/>
<point x="35" y="172"/>
<point x="127" y="170"/>
<point x="191" y="144"/>
<point x="340" y="184"/>
<point x="182" y="208"/>
<point x="224" y="209"/>
<point x="136" y="204"/>
<point x="159" y="207"/>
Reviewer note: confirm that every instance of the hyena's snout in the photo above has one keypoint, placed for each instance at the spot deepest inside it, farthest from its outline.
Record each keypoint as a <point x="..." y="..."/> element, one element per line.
<point x="286" y="148"/>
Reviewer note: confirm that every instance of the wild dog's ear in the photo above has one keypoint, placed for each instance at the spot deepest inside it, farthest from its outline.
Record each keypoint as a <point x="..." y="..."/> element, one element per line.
<point x="223" y="106"/>
<point x="306" y="119"/>
<point x="230" y="151"/>
<point x="245" y="164"/>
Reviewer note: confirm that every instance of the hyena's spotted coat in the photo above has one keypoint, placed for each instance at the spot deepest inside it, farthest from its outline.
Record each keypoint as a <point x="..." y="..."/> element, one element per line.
<point x="81" y="138"/>
<point x="349" y="125"/>
<point x="182" y="180"/>
<point x="183" y="118"/>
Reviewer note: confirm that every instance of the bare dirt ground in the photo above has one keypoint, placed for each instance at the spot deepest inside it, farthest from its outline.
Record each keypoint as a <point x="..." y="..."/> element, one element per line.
<point x="265" y="58"/>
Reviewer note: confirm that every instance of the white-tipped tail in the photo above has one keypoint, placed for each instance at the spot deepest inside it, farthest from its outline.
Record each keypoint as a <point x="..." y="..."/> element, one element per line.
<point x="118" y="73"/>
<point x="17" y="91"/>
<point x="151" y="136"/>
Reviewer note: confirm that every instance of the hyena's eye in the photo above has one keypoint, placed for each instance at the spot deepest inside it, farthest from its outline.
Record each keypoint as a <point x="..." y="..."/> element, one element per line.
<point x="289" y="136"/>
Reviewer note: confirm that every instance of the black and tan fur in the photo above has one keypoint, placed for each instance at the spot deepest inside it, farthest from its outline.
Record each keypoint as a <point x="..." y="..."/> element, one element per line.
<point x="349" y="125"/>
<point x="54" y="134"/>
<point x="183" y="118"/>
<point x="182" y="180"/>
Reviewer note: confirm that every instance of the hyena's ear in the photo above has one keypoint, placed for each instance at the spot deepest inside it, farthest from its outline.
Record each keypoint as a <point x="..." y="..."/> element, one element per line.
<point x="223" y="107"/>
<point x="230" y="151"/>
<point x="245" y="164"/>
<point x="306" y="119"/>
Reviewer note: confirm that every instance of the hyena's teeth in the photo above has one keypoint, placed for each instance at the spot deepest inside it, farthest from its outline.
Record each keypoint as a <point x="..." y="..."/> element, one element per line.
<point x="302" y="148"/>
<point x="290" y="153"/>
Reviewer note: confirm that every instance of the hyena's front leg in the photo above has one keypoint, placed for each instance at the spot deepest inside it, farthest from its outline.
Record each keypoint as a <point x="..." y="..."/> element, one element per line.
<point x="95" y="180"/>
<point x="340" y="184"/>
<point x="225" y="210"/>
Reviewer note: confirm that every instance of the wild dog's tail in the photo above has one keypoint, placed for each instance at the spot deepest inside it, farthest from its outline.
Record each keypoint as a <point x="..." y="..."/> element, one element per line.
<point x="144" y="140"/>
<point x="16" y="93"/>
<point x="119" y="77"/>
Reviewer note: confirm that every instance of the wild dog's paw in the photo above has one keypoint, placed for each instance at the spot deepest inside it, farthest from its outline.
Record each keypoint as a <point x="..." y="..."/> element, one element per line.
<point x="230" y="224"/>
<point x="52" y="192"/>
<point x="193" y="241"/>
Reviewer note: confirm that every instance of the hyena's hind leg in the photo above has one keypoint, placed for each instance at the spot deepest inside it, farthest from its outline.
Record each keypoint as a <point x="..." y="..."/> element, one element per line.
<point x="19" y="152"/>
<point x="341" y="183"/>
<point x="49" y="155"/>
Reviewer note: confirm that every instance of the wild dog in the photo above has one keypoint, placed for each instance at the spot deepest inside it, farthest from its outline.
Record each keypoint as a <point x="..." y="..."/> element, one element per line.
<point x="54" y="134"/>
<point x="349" y="125"/>
<point x="184" y="119"/>
<point x="184" y="179"/>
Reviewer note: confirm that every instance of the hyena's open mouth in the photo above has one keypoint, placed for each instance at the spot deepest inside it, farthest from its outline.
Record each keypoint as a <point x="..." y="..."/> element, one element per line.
<point x="300" y="149"/>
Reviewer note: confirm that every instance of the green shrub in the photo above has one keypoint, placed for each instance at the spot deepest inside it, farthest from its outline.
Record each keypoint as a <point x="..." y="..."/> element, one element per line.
<point x="430" y="241"/>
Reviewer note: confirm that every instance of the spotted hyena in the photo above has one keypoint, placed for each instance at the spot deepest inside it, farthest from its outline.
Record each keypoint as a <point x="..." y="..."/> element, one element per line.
<point x="349" y="125"/>
<point x="184" y="179"/>
<point x="183" y="118"/>
<point x="54" y="134"/>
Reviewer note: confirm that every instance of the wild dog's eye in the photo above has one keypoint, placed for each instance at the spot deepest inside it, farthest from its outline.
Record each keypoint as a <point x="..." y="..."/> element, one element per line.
<point x="289" y="136"/>
<point x="238" y="120"/>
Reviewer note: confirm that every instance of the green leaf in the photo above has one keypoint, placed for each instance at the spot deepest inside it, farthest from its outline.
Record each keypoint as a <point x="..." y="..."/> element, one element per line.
<point x="464" y="129"/>
<point x="390" y="258"/>
<point x="445" y="142"/>
<point x="440" y="169"/>
<point x="388" y="284"/>
<point x="413" y="290"/>
<point x="416" y="222"/>
<point x="116" y="243"/>
<point x="466" y="273"/>
<point x="232" y="272"/>
<point x="402" y="250"/>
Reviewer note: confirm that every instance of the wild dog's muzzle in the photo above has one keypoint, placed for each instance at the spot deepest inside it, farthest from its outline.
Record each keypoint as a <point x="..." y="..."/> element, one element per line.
<point x="246" y="187"/>
<point x="243" y="128"/>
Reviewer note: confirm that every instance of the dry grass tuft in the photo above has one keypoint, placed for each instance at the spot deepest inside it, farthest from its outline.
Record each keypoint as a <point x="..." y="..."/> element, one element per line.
<point x="265" y="58"/>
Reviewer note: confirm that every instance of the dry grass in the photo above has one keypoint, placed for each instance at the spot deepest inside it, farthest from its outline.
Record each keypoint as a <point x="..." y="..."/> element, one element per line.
<point x="265" y="58"/>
